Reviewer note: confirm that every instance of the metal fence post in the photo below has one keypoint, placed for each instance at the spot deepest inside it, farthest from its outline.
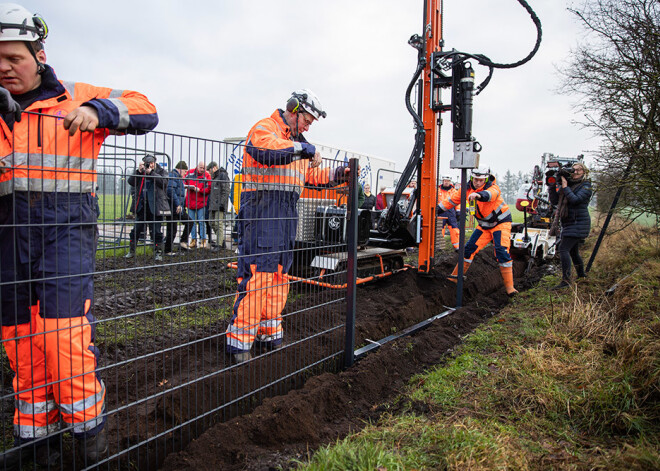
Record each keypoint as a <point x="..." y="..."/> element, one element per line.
<point x="461" y="243"/>
<point x="351" y="266"/>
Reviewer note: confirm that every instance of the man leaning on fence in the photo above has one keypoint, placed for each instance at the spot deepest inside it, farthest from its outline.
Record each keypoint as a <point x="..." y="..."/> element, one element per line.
<point x="277" y="162"/>
<point x="48" y="239"/>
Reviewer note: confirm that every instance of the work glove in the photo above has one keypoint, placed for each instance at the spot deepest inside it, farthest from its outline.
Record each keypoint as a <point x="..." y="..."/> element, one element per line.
<point x="9" y="105"/>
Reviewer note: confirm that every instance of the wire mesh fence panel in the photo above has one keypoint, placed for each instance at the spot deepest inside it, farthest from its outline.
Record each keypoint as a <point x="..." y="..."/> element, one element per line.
<point x="149" y="291"/>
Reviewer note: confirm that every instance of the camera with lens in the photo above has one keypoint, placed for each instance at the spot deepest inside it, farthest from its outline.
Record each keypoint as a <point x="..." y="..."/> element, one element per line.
<point x="553" y="175"/>
<point x="566" y="172"/>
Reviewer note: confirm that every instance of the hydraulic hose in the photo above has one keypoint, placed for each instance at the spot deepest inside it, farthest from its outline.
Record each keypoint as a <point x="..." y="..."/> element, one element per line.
<point x="487" y="62"/>
<point x="416" y="153"/>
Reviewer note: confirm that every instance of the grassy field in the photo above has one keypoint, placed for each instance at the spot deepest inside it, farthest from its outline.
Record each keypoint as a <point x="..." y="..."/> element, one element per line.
<point x="556" y="380"/>
<point x="112" y="207"/>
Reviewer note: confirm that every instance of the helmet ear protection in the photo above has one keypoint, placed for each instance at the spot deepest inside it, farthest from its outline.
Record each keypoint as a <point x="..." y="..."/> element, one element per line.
<point x="293" y="104"/>
<point x="40" y="26"/>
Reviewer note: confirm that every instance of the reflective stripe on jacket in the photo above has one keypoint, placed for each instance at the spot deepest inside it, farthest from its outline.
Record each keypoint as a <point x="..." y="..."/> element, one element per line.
<point x="273" y="160"/>
<point x="39" y="152"/>
<point x="443" y="193"/>
<point x="491" y="209"/>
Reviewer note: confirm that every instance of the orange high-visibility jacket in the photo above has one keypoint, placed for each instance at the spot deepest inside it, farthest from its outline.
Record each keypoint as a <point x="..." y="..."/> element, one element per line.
<point x="443" y="193"/>
<point x="274" y="161"/>
<point x="39" y="151"/>
<point x="491" y="209"/>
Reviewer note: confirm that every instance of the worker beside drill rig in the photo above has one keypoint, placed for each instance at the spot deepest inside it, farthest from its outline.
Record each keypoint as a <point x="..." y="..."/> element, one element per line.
<point x="277" y="163"/>
<point x="494" y="219"/>
<point x="449" y="216"/>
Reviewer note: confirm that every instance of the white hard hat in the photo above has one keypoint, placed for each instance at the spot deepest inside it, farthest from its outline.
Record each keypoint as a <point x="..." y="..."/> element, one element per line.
<point x="481" y="172"/>
<point x="308" y="101"/>
<point x="446" y="177"/>
<point x="18" y="24"/>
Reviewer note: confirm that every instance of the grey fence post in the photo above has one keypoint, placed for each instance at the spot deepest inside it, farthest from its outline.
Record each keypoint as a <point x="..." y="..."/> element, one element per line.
<point x="351" y="265"/>
<point x="461" y="244"/>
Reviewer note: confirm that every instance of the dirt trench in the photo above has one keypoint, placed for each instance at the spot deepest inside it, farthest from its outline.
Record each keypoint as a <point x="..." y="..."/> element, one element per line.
<point x="190" y="398"/>
<point x="331" y="405"/>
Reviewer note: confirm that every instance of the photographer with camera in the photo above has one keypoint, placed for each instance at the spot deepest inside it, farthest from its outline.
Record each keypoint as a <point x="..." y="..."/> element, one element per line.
<point x="151" y="205"/>
<point x="571" y="196"/>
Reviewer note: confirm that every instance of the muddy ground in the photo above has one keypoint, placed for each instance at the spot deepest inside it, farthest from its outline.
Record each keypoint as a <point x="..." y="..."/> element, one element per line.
<point x="171" y="387"/>
<point x="331" y="405"/>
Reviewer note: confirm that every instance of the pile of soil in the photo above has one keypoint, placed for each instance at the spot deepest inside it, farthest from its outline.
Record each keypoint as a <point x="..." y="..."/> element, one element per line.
<point x="329" y="406"/>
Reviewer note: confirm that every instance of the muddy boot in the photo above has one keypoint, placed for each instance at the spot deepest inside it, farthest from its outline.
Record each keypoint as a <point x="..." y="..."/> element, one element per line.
<point x="241" y="357"/>
<point x="94" y="448"/>
<point x="454" y="275"/>
<point x="580" y="271"/>
<point x="264" y="346"/>
<point x="507" y="277"/>
<point x="16" y="458"/>
<point x="562" y="285"/>
<point x="48" y="453"/>
<point x="131" y="251"/>
<point x="45" y="453"/>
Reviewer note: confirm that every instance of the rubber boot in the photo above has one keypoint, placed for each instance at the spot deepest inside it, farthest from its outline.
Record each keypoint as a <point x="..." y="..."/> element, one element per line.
<point x="46" y="453"/>
<point x="16" y="458"/>
<point x="131" y="250"/>
<point x="94" y="448"/>
<point x="562" y="285"/>
<point x="49" y="452"/>
<point x="507" y="277"/>
<point x="241" y="357"/>
<point x="454" y="275"/>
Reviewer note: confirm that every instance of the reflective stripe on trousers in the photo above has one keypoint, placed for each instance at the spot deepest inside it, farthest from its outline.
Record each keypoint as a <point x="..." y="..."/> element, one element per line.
<point x="36" y="413"/>
<point x="501" y="238"/>
<point x="257" y="311"/>
<point x="71" y="358"/>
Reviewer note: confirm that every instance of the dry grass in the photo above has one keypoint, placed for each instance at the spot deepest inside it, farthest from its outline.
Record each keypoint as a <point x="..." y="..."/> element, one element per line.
<point x="586" y="391"/>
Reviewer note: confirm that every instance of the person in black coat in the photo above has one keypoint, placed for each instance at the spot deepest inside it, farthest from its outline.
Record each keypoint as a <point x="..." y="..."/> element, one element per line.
<point x="176" y="195"/>
<point x="151" y="205"/>
<point x="369" y="198"/>
<point x="572" y="200"/>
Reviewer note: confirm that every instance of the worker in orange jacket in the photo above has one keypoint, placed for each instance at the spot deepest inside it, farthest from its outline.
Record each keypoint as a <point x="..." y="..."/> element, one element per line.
<point x="448" y="216"/>
<point x="494" y="219"/>
<point x="277" y="162"/>
<point x="48" y="233"/>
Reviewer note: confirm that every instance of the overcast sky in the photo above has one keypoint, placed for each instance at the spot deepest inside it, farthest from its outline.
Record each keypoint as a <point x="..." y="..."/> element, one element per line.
<point x="213" y="68"/>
